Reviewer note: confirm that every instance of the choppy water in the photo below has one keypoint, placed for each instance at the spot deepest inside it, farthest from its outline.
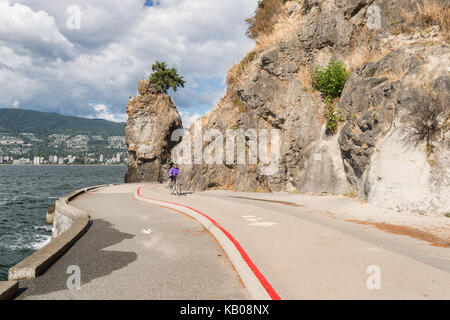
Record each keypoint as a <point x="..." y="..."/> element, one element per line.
<point x="25" y="194"/>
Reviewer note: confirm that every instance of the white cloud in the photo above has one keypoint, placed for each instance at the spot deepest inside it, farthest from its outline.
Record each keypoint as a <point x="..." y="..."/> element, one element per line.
<point x="101" y="112"/>
<point x="49" y="67"/>
<point x="188" y="119"/>
<point x="101" y="22"/>
<point x="35" y="32"/>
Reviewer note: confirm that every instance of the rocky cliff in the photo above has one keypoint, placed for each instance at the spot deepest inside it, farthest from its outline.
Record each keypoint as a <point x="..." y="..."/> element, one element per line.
<point x="398" y="56"/>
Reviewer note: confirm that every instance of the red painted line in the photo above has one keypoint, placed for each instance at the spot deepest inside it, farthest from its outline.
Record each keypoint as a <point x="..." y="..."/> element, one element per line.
<point x="269" y="289"/>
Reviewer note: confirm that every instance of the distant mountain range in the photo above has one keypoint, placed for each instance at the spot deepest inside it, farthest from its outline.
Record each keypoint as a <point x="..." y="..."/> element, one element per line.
<point x="27" y="133"/>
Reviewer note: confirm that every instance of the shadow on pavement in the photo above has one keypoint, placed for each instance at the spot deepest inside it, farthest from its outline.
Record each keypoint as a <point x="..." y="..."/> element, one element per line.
<point x="184" y="194"/>
<point x="89" y="254"/>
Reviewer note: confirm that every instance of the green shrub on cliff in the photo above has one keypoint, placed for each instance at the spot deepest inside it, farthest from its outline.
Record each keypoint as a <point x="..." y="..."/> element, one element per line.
<point x="164" y="78"/>
<point x="330" y="79"/>
<point x="332" y="115"/>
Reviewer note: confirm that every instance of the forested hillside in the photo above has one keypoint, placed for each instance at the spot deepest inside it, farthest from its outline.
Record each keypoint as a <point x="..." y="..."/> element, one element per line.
<point x="27" y="133"/>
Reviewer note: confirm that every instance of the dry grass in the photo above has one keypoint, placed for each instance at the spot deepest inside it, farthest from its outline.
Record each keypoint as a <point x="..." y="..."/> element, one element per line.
<point x="235" y="73"/>
<point x="396" y="72"/>
<point x="264" y="18"/>
<point x="363" y="55"/>
<point x="428" y="13"/>
<point x="423" y="14"/>
<point x="237" y="103"/>
<point x="284" y="28"/>
<point x="305" y="76"/>
<point x="270" y="24"/>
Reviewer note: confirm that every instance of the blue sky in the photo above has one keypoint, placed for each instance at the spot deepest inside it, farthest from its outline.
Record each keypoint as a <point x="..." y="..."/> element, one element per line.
<point x="90" y="71"/>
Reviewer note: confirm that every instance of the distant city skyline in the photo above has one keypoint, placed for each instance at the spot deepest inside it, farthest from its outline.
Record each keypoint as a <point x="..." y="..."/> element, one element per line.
<point x="118" y="158"/>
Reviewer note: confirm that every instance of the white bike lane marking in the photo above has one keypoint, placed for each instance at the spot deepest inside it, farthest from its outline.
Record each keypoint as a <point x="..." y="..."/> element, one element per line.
<point x="259" y="222"/>
<point x="147" y="231"/>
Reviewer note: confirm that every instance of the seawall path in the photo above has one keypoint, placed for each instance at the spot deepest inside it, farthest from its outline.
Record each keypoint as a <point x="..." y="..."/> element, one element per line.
<point x="144" y="243"/>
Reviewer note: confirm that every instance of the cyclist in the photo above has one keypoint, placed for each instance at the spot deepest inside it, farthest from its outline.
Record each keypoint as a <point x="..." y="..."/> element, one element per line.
<point x="174" y="172"/>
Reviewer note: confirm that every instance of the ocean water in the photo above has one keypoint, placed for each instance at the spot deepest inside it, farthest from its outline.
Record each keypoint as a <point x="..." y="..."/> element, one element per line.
<point x="25" y="194"/>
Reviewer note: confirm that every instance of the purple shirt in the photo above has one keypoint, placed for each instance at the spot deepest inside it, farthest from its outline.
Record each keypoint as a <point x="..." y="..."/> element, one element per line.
<point x="174" y="172"/>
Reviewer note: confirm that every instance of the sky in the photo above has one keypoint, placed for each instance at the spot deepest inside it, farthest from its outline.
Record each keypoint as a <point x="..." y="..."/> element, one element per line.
<point x="85" y="57"/>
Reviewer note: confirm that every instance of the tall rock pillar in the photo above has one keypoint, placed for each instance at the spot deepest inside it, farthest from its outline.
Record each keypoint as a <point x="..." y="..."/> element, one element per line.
<point x="152" y="117"/>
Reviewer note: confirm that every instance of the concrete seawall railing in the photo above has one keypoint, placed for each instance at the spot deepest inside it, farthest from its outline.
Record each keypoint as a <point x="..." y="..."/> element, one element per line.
<point x="69" y="225"/>
<point x="8" y="289"/>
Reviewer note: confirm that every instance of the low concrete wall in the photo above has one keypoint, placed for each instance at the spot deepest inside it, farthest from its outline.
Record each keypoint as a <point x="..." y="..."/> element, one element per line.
<point x="69" y="225"/>
<point x="65" y="214"/>
<point x="8" y="289"/>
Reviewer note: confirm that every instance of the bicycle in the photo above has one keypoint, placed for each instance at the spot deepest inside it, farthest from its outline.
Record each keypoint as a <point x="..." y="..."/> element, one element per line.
<point x="175" y="187"/>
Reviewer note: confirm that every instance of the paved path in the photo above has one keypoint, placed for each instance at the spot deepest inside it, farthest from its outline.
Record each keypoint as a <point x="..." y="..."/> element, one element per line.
<point x="302" y="254"/>
<point x="137" y="251"/>
<point x="308" y="255"/>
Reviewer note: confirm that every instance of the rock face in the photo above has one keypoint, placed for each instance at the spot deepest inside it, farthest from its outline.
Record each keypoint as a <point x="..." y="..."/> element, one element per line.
<point x="152" y="117"/>
<point x="379" y="160"/>
<point x="392" y="69"/>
